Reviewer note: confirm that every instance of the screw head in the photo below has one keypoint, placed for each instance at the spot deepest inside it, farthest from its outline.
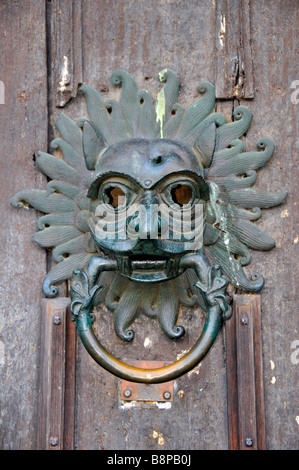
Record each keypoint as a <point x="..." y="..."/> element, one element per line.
<point x="57" y="320"/>
<point x="166" y="395"/>
<point x="249" y="442"/>
<point x="127" y="393"/>
<point x="244" y="321"/>
<point x="54" y="441"/>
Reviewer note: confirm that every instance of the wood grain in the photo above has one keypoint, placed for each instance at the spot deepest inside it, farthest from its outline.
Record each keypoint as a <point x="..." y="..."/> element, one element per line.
<point x="65" y="41"/>
<point x="143" y="38"/>
<point x="245" y="388"/>
<point x="57" y="381"/>
<point x="23" y="131"/>
<point x="233" y="59"/>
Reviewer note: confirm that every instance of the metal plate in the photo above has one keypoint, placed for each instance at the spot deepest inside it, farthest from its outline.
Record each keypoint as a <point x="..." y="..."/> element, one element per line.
<point x="147" y="392"/>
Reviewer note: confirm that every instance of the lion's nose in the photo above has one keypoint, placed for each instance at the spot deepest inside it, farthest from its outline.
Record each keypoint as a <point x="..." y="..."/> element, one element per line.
<point x="147" y="221"/>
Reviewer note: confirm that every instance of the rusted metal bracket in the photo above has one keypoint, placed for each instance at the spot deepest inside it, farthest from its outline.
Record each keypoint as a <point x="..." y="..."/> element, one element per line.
<point x="57" y="377"/>
<point x="132" y="391"/>
<point x="245" y="391"/>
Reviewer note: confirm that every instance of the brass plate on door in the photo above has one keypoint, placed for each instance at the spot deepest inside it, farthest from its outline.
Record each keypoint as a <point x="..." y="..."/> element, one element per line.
<point x="133" y="391"/>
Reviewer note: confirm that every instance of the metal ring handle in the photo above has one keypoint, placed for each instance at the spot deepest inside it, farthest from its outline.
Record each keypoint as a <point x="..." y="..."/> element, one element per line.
<point x="150" y="376"/>
<point x="212" y="287"/>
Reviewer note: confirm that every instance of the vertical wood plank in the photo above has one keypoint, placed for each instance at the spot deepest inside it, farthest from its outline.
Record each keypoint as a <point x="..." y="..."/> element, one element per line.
<point x="259" y="376"/>
<point x="246" y="414"/>
<point x="70" y="382"/>
<point x="275" y="114"/>
<point x="57" y="380"/>
<point x="232" y="384"/>
<point x="233" y="61"/>
<point x="23" y="131"/>
<point x="246" y="376"/>
<point x="66" y="49"/>
<point x="144" y="37"/>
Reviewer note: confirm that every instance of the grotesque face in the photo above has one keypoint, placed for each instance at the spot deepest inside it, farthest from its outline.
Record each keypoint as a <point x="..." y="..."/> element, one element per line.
<point x="148" y="195"/>
<point x="146" y="206"/>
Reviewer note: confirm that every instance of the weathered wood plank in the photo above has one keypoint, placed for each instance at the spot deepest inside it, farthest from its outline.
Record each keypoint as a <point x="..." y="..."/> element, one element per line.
<point x="70" y="382"/>
<point x="52" y="367"/>
<point x="275" y="54"/>
<point x="259" y="374"/>
<point x="231" y="383"/>
<point x="66" y="49"/>
<point x="233" y="60"/>
<point x="57" y="377"/>
<point x="246" y="413"/>
<point x="143" y="38"/>
<point x="246" y="375"/>
<point x="23" y="129"/>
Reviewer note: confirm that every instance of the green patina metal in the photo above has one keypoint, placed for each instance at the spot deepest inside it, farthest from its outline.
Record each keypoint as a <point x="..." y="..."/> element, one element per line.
<point x="144" y="151"/>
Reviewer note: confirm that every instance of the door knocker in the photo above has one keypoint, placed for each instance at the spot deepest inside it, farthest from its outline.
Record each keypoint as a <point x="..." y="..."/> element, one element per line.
<point x="151" y="207"/>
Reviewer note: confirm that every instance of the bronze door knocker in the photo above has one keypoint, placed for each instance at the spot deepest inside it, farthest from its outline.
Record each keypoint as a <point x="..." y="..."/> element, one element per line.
<point x="151" y="207"/>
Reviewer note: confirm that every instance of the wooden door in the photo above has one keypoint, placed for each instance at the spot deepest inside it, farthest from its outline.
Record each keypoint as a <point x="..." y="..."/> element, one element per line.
<point x="245" y="393"/>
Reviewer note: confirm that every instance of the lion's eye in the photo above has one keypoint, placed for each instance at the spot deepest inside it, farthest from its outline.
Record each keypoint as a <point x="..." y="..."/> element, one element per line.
<point x="116" y="195"/>
<point x="181" y="194"/>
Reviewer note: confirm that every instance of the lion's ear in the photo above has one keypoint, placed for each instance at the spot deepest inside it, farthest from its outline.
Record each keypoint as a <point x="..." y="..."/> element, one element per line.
<point x="93" y="143"/>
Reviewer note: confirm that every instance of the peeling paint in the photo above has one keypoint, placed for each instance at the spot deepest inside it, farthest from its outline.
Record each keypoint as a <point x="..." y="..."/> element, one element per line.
<point x="161" y="104"/>
<point x="160" y="110"/>
<point x="181" y="354"/>
<point x="181" y="393"/>
<point x="65" y="78"/>
<point x="159" y="436"/>
<point x="222" y="31"/>
<point x="272" y="365"/>
<point x="128" y="405"/>
<point x="297" y="420"/>
<point x="284" y="213"/>
<point x="163" y="405"/>
<point x="273" y="380"/>
<point x="147" y="342"/>
<point x="296" y="239"/>
<point x="195" y="370"/>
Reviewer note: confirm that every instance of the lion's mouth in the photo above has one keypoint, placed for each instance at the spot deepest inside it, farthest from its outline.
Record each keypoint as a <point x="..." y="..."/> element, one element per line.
<point x="148" y="268"/>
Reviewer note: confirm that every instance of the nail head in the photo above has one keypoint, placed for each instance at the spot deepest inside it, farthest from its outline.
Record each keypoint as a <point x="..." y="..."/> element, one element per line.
<point x="249" y="442"/>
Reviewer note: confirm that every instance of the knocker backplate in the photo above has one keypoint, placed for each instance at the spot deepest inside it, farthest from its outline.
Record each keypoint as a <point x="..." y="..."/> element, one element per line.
<point x="132" y="391"/>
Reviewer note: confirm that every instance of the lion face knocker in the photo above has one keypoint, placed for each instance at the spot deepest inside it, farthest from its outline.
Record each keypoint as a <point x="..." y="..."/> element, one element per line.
<point x="151" y="202"/>
<point x="137" y="213"/>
